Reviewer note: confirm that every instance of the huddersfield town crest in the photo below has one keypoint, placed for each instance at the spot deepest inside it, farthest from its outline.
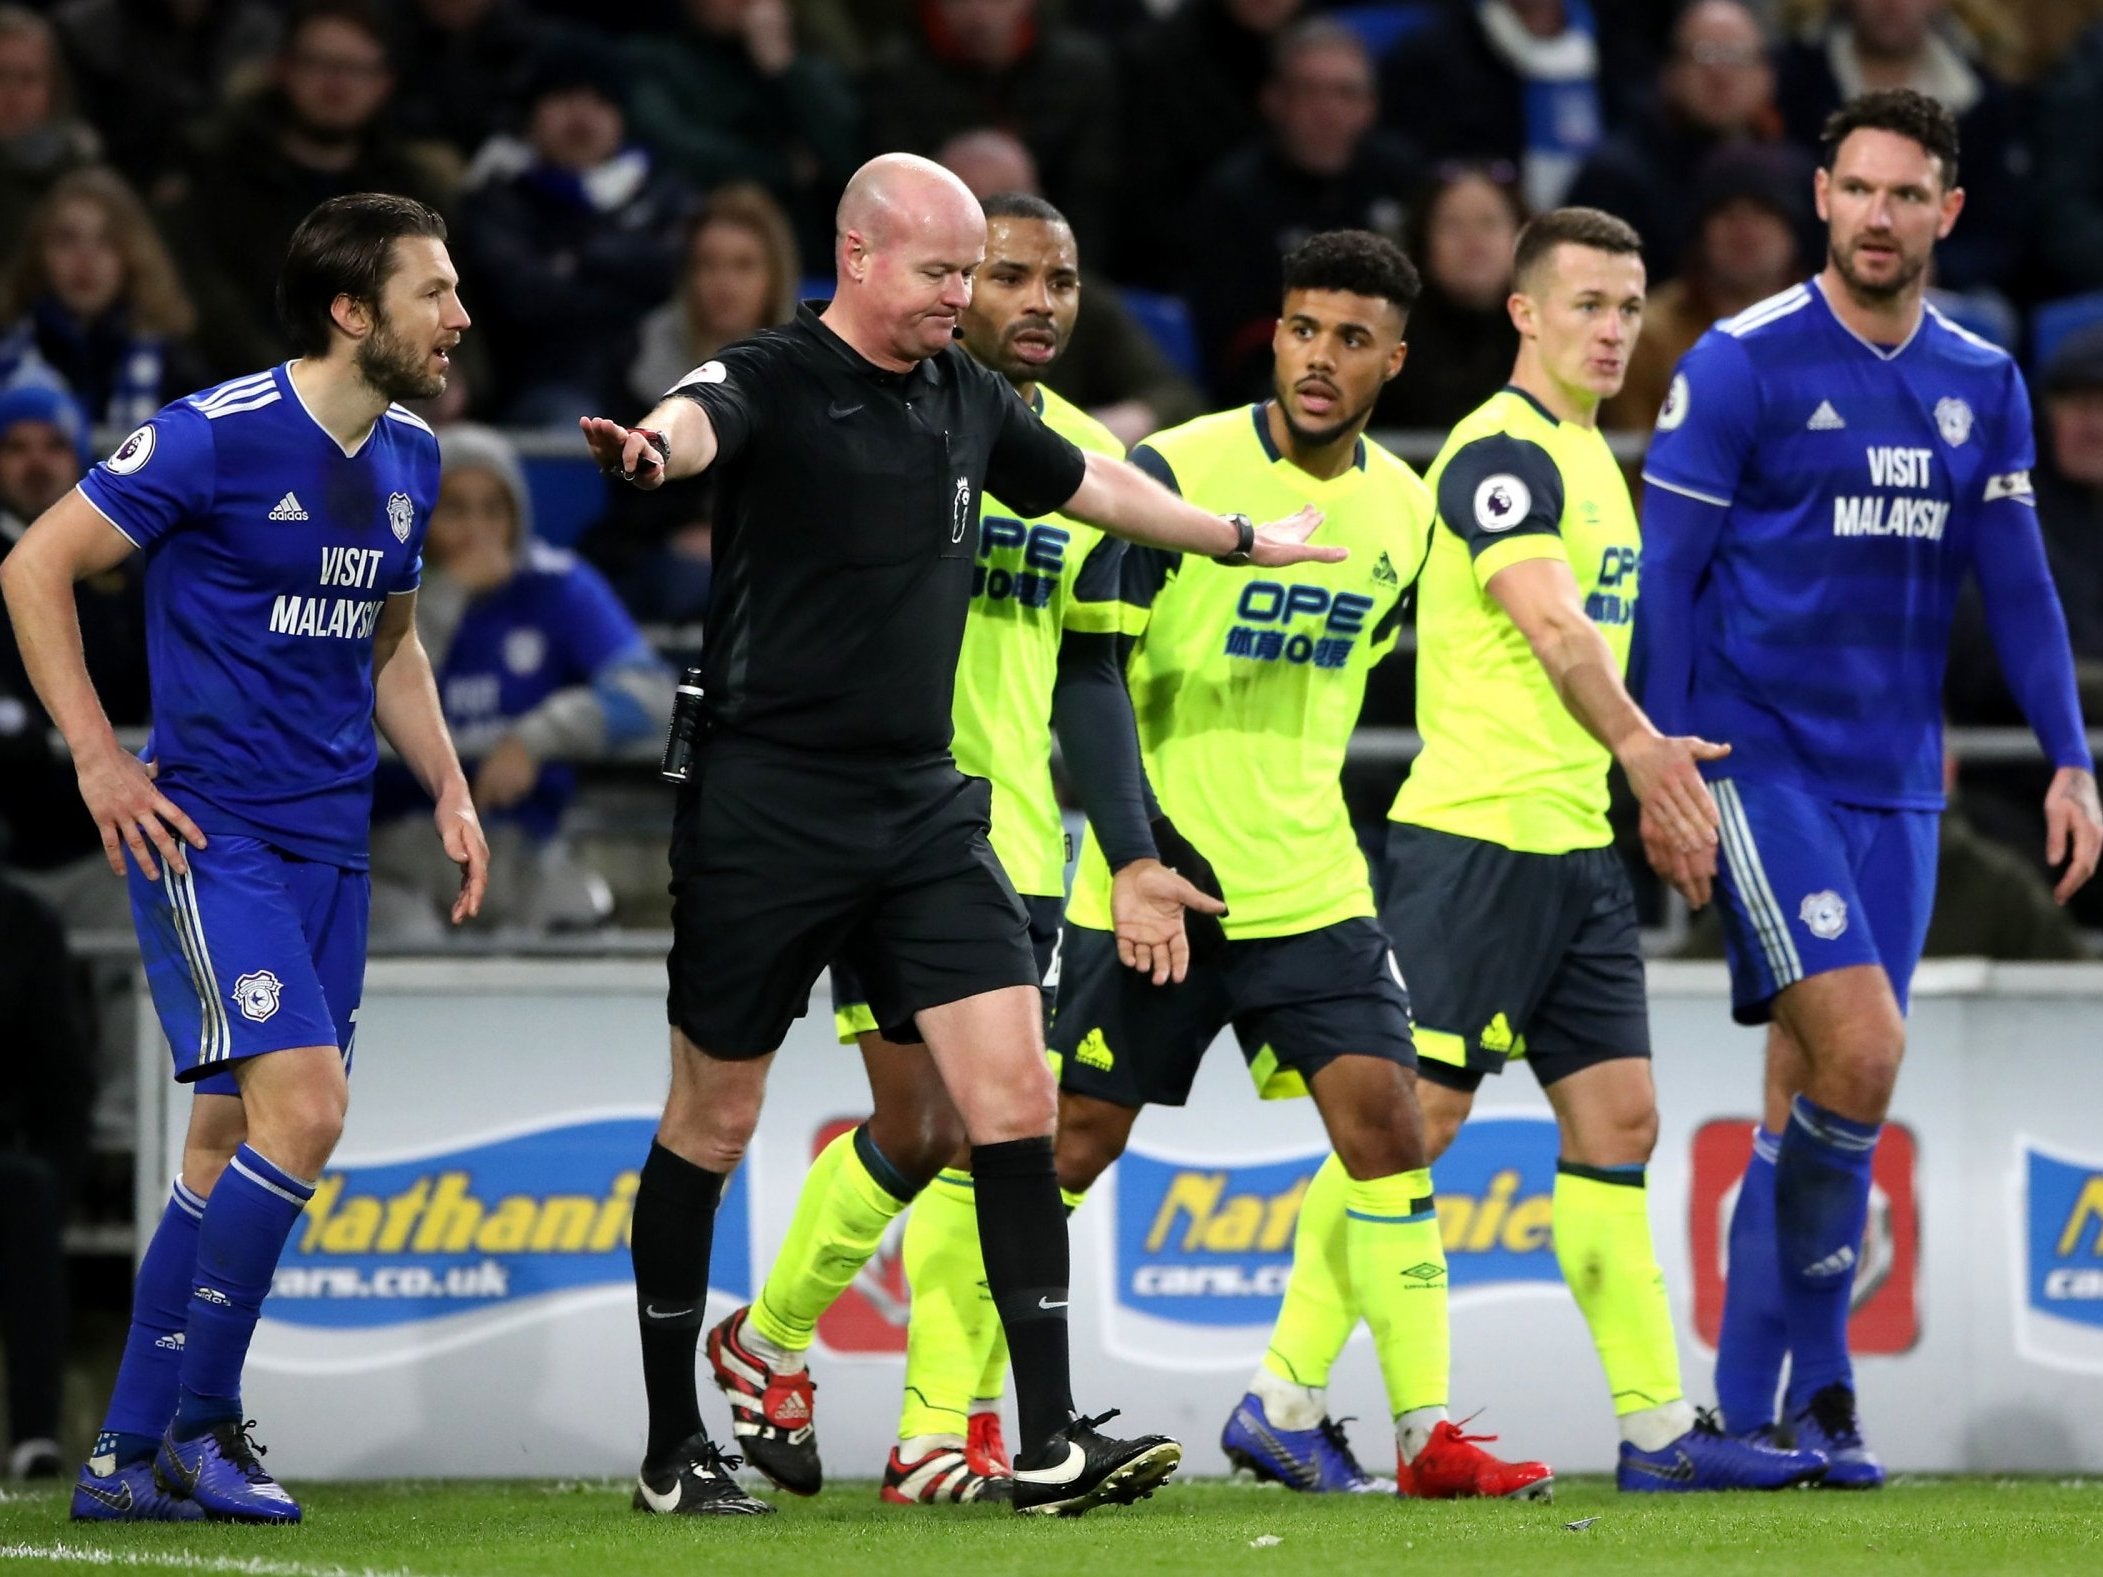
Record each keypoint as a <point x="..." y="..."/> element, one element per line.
<point x="1954" y="417"/>
<point x="400" y="513"/>
<point x="258" y="994"/>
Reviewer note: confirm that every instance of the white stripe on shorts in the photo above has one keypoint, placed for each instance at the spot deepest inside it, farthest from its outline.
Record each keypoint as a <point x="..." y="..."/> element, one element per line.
<point x="215" y="1044"/>
<point x="1767" y="916"/>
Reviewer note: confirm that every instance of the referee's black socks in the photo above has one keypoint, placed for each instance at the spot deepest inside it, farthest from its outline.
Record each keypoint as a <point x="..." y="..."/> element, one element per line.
<point x="673" y="1231"/>
<point x="1022" y="1233"/>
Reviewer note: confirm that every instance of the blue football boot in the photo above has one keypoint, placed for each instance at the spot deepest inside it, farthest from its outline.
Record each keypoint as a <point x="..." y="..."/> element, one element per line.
<point x="106" y="1492"/>
<point x="1705" y="1458"/>
<point x="1828" y="1424"/>
<point x="218" y="1470"/>
<point x="1316" y="1461"/>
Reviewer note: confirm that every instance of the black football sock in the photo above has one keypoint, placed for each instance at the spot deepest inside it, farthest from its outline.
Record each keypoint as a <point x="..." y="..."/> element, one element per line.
<point x="1022" y="1233"/>
<point x="674" y="1228"/>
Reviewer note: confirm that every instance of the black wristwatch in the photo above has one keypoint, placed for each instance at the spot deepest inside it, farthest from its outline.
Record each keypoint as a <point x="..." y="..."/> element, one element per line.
<point x="1240" y="557"/>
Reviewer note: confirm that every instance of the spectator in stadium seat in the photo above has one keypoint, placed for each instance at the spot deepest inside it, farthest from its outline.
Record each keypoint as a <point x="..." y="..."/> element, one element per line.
<point x="1462" y="228"/>
<point x="569" y="239"/>
<point x="93" y="300"/>
<point x="1868" y="44"/>
<point x="1716" y="89"/>
<point x="2070" y="168"/>
<point x="1002" y="63"/>
<point x="1750" y="207"/>
<point x="254" y="171"/>
<point x="147" y="70"/>
<point x="466" y="67"/>
<point x="40" y="138"/>
<point x="47" y="837"/>
<point x="1535" y="83"/>
<point x="1112" y="368"/>
<point x="1190" y="85"/>
<point x="740" y="275"/>
<point x="538" y="667"/>
<point x="1323" y="165"/>
<point x="735" y="96"/>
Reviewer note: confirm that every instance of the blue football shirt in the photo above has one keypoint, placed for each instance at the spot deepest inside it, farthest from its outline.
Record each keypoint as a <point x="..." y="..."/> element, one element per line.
<point x="1857" y="484"/>
<point x="270" y="553"/>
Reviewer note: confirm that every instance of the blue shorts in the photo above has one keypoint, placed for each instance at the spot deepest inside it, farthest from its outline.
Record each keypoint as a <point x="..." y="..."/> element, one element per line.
<point x="254" y="950"/>
<point x="1809" y="886"/>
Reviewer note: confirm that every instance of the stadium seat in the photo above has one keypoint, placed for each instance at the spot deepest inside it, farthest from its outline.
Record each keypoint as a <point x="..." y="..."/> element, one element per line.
<point x="2055" y="320"/>
<point x="568" y="495"/>
<point x="1382" y="26"/>
<point x="1167" y="321"/>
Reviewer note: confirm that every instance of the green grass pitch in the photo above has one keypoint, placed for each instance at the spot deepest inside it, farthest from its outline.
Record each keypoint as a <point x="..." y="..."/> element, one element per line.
<point x="1939" y="1526"/>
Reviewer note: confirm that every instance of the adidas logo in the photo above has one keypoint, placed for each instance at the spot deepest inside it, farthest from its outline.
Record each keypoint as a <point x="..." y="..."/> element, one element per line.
<point x="288" y="509"/>
<point x="1825" y="419"/>
<point x="1384" y="572"/>
<point x="172" y="1342"/>
<point x="1837" y="1263"/>
<point x="1497" y="1037"/>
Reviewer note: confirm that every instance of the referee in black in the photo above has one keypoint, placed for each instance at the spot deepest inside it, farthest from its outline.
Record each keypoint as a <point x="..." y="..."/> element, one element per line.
<point x="825" y="817"/>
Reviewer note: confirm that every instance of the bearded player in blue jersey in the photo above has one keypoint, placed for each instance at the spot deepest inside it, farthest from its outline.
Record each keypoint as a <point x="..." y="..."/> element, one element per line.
<point x="1828" y="468"/>
<point x="282" y="520"/>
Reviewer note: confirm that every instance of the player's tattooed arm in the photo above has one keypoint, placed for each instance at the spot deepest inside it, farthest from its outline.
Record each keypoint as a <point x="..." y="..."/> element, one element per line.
<point x="2073" y="828"/>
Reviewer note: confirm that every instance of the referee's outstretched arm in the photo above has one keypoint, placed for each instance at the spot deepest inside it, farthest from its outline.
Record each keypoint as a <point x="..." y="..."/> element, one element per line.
<point x="1123" y="500"/>
<point x="686" y="443"/>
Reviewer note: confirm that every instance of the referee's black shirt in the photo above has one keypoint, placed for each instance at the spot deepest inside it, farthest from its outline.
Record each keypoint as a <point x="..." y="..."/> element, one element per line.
<point x="846" y="526"/>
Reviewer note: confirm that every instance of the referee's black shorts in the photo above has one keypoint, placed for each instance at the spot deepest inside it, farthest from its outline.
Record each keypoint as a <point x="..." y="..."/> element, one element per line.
<point x="783" y="860"/>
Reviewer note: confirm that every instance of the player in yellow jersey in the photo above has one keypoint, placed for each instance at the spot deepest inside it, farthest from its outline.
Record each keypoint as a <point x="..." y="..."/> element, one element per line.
<point x="1502" y="888"/>
<point x="1246" y="691"/>
<point x="1039" y="647"/>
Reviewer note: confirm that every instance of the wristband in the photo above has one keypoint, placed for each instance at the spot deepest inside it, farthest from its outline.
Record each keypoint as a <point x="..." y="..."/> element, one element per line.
<point x="1244" y="546"/>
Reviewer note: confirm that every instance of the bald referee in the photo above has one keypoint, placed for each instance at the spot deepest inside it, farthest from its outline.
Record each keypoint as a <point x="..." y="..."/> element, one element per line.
<point x="825" y="817"/>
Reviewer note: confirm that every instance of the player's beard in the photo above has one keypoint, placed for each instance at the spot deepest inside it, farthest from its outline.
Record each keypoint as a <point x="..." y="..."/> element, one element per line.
<point x="1320" y="437"/>
<point x="395" y="368"/>
<point x="1903" y="279"/>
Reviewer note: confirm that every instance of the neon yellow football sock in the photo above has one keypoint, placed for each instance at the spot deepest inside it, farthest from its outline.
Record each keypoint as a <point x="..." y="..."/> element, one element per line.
<point x="1602" y="1241"/>
<point x="953" y="1323"/>
<point x="1398" y="1274"/>
<point x="850" y="1196"/>
<point x="1319" y="1312"/>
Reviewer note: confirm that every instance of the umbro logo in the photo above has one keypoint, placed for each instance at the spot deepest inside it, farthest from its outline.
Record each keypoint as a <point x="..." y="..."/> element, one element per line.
<point x="288" y="508"/>
<point x="1825" y="419"/>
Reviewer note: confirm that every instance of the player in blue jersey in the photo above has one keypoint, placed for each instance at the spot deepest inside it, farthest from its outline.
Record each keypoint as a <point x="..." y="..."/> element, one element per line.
<point x="1828" y="467"/>
<point x="282" y="520"/>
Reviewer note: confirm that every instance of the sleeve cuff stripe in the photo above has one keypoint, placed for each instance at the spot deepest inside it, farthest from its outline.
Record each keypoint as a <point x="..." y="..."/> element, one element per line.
<point x="1685" y="492"/>
<point x="106" y="515"/>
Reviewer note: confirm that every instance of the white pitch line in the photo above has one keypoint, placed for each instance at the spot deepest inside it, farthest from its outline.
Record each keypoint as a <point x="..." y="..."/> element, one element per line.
<point x="251" y="1566"/>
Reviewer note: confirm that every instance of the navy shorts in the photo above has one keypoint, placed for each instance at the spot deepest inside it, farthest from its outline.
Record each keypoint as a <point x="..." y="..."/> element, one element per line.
<point x="253" y="951"/>
<point x="1809" y="886"/>
<point x="852" y="1017"/>
<point x="1296" y="1004"/>
<point x="1514" y="955"/>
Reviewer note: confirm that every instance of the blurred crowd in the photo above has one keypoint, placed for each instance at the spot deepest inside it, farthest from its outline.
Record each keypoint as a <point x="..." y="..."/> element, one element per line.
<point x="631" y="188"/>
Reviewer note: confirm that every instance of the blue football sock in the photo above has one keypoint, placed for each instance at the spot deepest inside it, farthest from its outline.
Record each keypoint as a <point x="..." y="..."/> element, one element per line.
<point x="1755" y="1338"/>
<point x="246" y="1222"/>
<point x="143" y="1399"/>
<point x="1821" y="1207"/>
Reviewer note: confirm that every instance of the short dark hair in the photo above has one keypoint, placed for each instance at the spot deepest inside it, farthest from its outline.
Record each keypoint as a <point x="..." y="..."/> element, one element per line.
<point x="1022" y="205"/>
<point x="345" y="247"/>
<point x="1593" y="228"/>
<point x="1356" y="261"/>
<point x="1900" y="110"/>
<point x="367" y="16"/>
